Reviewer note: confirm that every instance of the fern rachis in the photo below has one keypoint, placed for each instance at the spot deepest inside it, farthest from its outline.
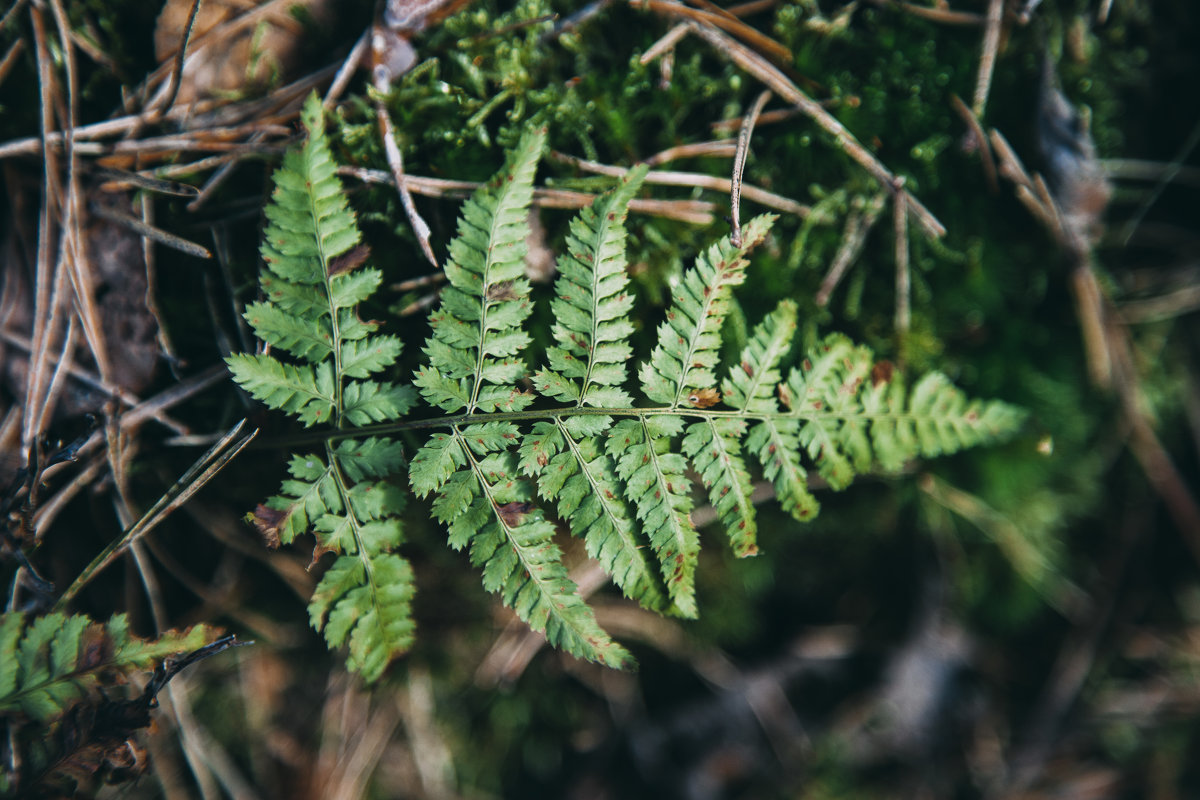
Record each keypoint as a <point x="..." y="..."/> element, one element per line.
<point x="616" y="472"/>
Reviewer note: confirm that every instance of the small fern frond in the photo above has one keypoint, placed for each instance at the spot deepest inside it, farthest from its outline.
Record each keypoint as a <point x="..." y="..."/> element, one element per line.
<point x="486" y="507"/>
<point x="654" y="479"/>
<point x="689" y="340"/>
<point x="294" y="334"/>
<point x="315" y="282"/>
<point x="304" y="392"/>
<point x="573" y="470"/>
<point x="369" y="601"/>
<point x="776" y="444"/>
<point x="715" y="447"/>
<point x="477" y="326"/>
<point x="308" y="220"/>
<point x="751" y="383"/>
<point x="57" y="660"/>
<point x="591" y="307"/>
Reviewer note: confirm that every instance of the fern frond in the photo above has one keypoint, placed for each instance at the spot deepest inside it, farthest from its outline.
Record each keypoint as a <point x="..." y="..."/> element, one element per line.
<point x="751" y="383"/>
<point x="364" y="357"/>
<point x="655" y="480"/>
<point x="776" y="444"/>
<point x="302" y="391"/>
<point x="486" y="506"/>
<point x="56" y="660"/>
<point x="591" y="308"/>
<point x="312" y="289"/>
<point x="369" y="601"/>
<point x="714" y="445"/>
<point x="690" y="338"/>
<point x="477" y="326"/>
<point x="572" y="469"/>
<point x="308" y="220"/>
<point x="298" y="336"/>
<point x="616" y="474"/>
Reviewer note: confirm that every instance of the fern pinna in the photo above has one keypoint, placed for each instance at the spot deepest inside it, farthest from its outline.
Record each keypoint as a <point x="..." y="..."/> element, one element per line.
<point x="314" y="280"/>
<point x="615" y="470"/>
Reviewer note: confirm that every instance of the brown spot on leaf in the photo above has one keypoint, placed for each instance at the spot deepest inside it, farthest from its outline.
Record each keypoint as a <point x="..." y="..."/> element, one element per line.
<point x="503" y="290"/>
<point x="882" y="373"/>
<point x="351" y="259"/>
<point x="704" y="398"/>
<point x="513" y="514"/>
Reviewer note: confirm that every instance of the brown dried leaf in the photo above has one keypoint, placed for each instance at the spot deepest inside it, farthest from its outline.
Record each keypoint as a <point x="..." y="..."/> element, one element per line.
<point x="704" y="398"/>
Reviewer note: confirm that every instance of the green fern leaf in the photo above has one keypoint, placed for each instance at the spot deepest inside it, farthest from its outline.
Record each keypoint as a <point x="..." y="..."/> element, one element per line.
<point x="367" y="604"/>
<point x="776" y="444"/>
<point x="689" y="340"/>
<point x="751" y="385"/>
<point x="296" y="335"/>
<point x="715" y="448"/>
<point x="313" y="287"/>
<point x="486" y="505"/>
<point x="369" y="458"/>
<point x="56" y="660"/>
<point x="574" y="471"/>
<point x="348" y="289"/>
<point x="477" y="326"/>
<point x="304" y="392"/>
<point x="364" y="402"/>
<point x="661" y="492"/>
<point x="309" y="222"/>
<point x="829" y="387"/>
<point x="364" y="357"/>
<point x="592" y="307"/>
<point x="619" y="486"/>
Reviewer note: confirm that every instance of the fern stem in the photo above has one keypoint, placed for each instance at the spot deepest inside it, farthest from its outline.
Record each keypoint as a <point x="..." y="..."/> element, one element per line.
<point x="360" y="543"/>
<point x="525" y="415"/>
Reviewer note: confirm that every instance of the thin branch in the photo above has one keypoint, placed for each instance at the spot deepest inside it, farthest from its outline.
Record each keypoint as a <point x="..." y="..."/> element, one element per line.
<point x="1172" y="304"/>
<point x="766" y="72"/>
<point x="978" y="139"/>
<point x="942" y="15"/>
<point x="903" y="319"/>
<point x="10" y="58"/>
<point x="858" y="226"/>
<point x="666" y="44"/>
<point x="987" y="58"/>
<point x="766" y="118"/>
<point x="721" y="148"/>
<point x="150" y="232"/>
<point x="176" y="78"/>
<point x="200" y="473"/>
<point x="48" y="284"/>
<point x="396" y="163"/>
<point x="694" y="179"/>
<point x="697" y="212"/>
<point x="723" y="20"/>
<point x="739" y="165"/>
<point x="346" y="71"/>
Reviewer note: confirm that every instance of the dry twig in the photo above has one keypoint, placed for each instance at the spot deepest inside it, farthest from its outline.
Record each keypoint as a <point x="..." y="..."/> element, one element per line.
<point x="942" y="15"/>
<point x="903" y="320"/>
<point x="978" y="139"/>
<point x="987" y="58"/>
<point x="858" y="226"/>
<point x="766" y="72"/>
<point x="671" y="178"/>
<point x="697" y="212"/>
<point x="739" y="165"/>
